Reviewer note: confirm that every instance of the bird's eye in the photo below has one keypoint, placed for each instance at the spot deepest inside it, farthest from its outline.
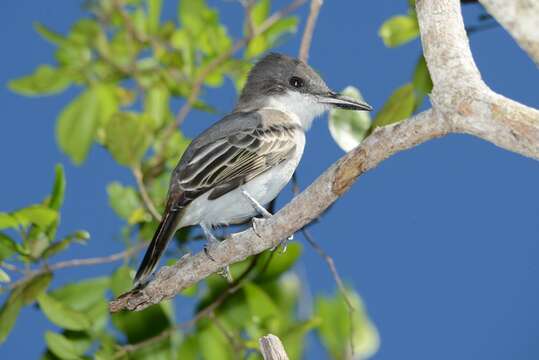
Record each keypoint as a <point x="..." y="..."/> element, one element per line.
<point x="296" y="82"/>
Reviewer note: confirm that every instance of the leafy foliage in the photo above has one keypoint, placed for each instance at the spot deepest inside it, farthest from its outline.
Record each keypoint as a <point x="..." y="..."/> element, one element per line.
<point x="129" y="66"/>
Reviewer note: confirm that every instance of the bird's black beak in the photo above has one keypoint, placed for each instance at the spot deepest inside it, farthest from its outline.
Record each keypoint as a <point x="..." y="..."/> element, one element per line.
<point x="343" y="102"/>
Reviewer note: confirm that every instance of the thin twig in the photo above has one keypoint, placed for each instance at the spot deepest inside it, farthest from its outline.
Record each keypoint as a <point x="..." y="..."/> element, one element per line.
<point x="98" y="260"/>
<point x="146" y="199"/>
<point x="129" y="25"/>
<point x="11" y="267"/>
<point x="309" y="30"/>
<point x="342" y="289"/>
<point x="249" y="23"/>
<point x="125" y="254"/>
<point x="331" y="264"/>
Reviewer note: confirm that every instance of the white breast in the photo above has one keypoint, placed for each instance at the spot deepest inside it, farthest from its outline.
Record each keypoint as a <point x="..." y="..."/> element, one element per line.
<point x="233" y="207"/>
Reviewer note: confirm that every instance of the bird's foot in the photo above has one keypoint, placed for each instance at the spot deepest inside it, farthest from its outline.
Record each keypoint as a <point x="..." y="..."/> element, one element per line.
<point x="212" y="242"/>
<point x="225" y="272"/>
<point x="283" y="244"/>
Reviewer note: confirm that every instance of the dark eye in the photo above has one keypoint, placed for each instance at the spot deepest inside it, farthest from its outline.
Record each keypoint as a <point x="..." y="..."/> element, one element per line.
<point x="296" y="82"/>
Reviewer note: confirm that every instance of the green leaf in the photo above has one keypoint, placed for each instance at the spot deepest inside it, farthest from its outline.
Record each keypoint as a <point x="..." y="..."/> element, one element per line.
<point x="78" y="122"/>
<point x="189" y="349"/>
<point x="57" y="198"/>
<point x="58" y="189"/>
<point x="61" y="314"/>
<point x="349" y="128"/>
<point x="287" y="25"/>
<point x="48" y="34"/>
<point x="278" y="264"/>
<point x="121" y="280"/>
<point x="82" y="295"/>
<point x="7" y="221"/>
<point x="399" y="30"/>
<point x="154" y="15"/>
<point x="156" y="105"/>
<point x="337" y="323"/>
<point x="23" y="294"/>
<point x="213" y="344"/>
<point x="421" y="80"/>
<point x="46" y="80"/>
<point x="123" y="200"/>
<point x="204" y="29"/>
<point x="294" y="338"/>
<point x="260" y="11"/>
<point x="195" y="15"/>
<point x="57" y="246"/>
<point x="174" y="149"/>
<point x="60" y="346"/>
<point x="4" y="277"/>
<point x="261" y="306"/>
<point x="39" y="215"/>
<point x="8" y="246"/>
<point x="128" y="136"/>
<point x="8" y="314"/>
<point x="84" y="31"/>
<point x="34" y="287"/>
<point x="399" y="106"/>
<point x="258" y="44"/>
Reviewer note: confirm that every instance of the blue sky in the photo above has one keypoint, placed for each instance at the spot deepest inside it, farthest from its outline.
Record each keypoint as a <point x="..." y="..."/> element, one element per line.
<point x="441" y="241"/>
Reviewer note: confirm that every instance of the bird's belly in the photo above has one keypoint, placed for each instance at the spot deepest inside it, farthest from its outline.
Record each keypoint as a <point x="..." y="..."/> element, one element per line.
<point x="234" y="207"/>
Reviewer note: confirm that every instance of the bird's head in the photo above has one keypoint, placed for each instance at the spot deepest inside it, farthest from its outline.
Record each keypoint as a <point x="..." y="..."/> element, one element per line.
<point x="292" y="86"/>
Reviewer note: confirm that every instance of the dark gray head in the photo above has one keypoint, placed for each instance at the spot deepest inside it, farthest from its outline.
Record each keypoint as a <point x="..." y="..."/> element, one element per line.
<point x="276" y="76"/>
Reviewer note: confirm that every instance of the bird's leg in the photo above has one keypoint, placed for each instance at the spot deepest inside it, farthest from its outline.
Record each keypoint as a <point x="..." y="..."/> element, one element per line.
<point x="256" y="205"/>
<point x="212" y="241"/>
<point x="266" y="214"/>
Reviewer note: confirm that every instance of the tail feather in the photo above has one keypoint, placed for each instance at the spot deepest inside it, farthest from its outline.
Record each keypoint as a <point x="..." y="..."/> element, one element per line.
<point x="165" y="231"/>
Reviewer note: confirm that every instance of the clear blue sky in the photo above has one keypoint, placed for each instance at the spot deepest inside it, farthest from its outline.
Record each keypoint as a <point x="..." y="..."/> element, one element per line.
<point x="441" y="241"/>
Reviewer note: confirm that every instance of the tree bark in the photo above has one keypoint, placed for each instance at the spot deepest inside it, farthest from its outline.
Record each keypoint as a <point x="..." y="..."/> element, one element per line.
<point x="521" y="19"/>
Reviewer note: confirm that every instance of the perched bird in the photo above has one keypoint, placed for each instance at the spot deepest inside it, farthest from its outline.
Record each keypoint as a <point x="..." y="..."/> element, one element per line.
<point x="242" y="162"/>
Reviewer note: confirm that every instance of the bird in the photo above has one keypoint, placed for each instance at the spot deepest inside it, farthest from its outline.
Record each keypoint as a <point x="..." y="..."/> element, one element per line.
<point x="242" y="162"/>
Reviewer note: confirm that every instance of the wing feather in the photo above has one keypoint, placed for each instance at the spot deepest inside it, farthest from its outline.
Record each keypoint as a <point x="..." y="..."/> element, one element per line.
<point x="228" y="163"/>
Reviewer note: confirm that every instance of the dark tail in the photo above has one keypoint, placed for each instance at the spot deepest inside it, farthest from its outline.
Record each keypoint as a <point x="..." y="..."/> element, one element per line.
<point x="162" y="236"/>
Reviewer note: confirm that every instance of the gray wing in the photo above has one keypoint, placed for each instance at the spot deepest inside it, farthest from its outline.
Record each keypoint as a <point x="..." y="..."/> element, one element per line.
<point x="232" y="152"/>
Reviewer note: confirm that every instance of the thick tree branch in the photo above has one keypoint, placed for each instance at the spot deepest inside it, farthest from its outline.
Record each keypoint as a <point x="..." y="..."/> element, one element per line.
<point x="459" y="95"/>
<point x="462" y="103"/>
<point x="521" y="19"/>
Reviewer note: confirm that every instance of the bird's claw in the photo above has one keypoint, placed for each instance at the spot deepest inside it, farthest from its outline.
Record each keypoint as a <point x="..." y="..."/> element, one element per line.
<point x="256" y="222"/>
<point x="207" y="252"/>
<point x="283" y="244"/>
<point x="225" y="272"/>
